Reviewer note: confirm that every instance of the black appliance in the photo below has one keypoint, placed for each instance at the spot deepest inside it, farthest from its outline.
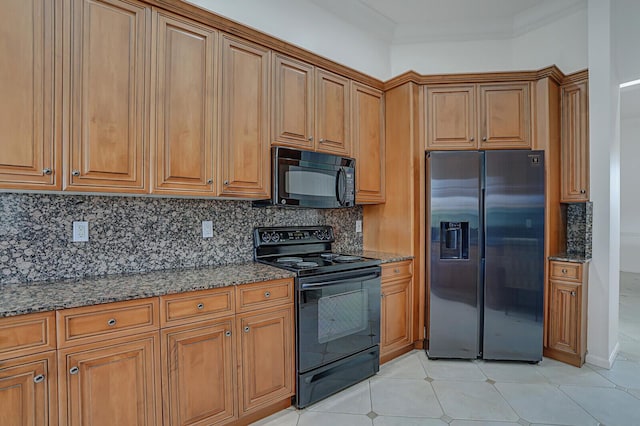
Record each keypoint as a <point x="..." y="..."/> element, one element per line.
<point x="337" y="308"/>
<point x="310" y="179"/>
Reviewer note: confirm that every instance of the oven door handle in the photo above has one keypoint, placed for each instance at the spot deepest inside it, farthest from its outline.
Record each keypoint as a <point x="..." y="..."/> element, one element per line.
<point x="364" y="277"/>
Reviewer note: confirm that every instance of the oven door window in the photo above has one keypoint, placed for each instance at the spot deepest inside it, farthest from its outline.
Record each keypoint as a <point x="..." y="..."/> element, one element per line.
<point x="337" y="319"/>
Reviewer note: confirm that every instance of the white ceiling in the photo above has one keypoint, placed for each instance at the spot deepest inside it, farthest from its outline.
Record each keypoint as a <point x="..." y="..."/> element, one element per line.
<point x="411" y="21"/>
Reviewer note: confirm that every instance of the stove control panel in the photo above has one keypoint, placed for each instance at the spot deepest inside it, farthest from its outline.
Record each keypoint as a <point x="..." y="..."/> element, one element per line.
<point x="292" y="235"/>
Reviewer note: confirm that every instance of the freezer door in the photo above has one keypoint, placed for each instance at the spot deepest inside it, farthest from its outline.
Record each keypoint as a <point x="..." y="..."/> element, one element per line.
<point x="514" y="255"/>
<point x="454" y="205"/>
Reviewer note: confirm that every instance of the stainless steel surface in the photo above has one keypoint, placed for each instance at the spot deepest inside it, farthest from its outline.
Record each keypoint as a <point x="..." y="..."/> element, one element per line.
<point x="74" y="370"/>
<point x="227" y="333"/>
<point x="200" y="306"/>
<point x="111" y="322"/>
<point x="246" y="329"/>
<point x="39" y="378"/>
<point x="454" y="314"/>
<point x="267" y="294"/>
<point x="514" y="255"/>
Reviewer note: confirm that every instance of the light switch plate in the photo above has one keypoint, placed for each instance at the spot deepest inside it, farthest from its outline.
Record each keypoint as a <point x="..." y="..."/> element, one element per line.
<point x="358" y="226"/>
<point x="80" y="232"/>
<point x="207" y="229"/>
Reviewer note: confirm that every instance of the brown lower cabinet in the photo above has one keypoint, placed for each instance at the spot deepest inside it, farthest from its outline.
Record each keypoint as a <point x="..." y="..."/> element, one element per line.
<point x="396" y="307"/>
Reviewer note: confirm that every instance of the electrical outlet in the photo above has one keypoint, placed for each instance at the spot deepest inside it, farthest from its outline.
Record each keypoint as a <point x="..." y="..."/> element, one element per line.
<point x="358" y="226"/>
<point x="207" y="229"/>
<point x="80" y="232"/>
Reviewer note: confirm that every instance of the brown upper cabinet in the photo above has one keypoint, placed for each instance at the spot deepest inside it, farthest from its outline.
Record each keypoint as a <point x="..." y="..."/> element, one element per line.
<point x="108" y="50"/>
<point x="367" y="113"/>
<point x="575" y="142"/>
<point x="30" y="85"/>
<point x="244" y="128"/>
<point x="478" y="116"/>
<point x="311" y="107"/>
<point x="184" y="108"/>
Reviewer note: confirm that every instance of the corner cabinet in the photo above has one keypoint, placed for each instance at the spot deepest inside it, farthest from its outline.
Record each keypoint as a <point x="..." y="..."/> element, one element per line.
<point x="396" y="309"/>
<point x="30" y="85"/>
<point x="575" y="142"/>
<point x="183" y="106"/>
<point x="107" y="48"/>
<point x="478" y="116"/>
<point x="367" y="114"/>
<point x="244" y="137"/>
<point x="567" y="312"/>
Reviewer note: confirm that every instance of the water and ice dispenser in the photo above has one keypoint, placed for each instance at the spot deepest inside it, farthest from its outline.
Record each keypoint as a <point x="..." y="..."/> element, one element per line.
<point x="454" y="240"/>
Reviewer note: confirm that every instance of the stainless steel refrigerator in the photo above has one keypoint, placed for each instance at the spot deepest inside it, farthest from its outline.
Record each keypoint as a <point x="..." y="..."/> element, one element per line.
<point x="486" y="254"/>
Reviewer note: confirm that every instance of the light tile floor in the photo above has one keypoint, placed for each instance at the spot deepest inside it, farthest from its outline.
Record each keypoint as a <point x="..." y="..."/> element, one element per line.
<point x="413" y="390"/>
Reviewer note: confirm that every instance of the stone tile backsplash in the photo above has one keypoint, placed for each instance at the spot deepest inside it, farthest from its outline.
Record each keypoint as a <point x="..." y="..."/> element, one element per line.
<point x="579" y="231"/>
<point x="140" y="234"/>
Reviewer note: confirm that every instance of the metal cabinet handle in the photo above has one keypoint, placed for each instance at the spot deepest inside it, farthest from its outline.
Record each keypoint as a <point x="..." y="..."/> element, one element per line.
<point x="209" y="181"/>
<point x="74" y="370"/>
<point x="582" y="191"/>
<point x="564" y="271"/>
<point x="472" y="139"/>
<point x="39" y="378"/>
<point x="484" y="138"/>
<point x="227" y="333"/>
<point x="246" y="329"/>
<point x="47" y="171"/>
<point x="200" y="306"/>
<point x="573" y="293"/>
<point x="396" y="271"/>
<point x="226" y="182"/>
<point x="267" y="294"/>
<point x="111" y="322"/>
<point x="310" y="138"/>
<point x="75" y="173"/>
<point x="321" y="140"/>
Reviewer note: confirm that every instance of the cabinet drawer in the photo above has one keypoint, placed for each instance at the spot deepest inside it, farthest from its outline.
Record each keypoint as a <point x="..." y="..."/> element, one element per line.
<point x="27" y="334"/>
<point x="566" y="271"/>
<point x="264" y="294"/>
<point x="196" y="306"/>
<point x="106" y="321"/>
<point x="391" y="271"/>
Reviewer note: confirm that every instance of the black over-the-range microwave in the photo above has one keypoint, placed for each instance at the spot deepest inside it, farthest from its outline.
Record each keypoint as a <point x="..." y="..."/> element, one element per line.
<point x="310" y="179"/>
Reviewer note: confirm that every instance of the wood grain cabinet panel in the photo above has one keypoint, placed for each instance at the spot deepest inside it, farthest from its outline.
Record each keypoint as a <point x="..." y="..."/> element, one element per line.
<point x="265" y="294"/>
<point x="367" y="113"/>
<point x="245" y="120"/>
<point x="396" y="309"/>
<point x="184" y="107"/>
<point x="293" y="103"/>
<point x="451" y="117"/>
<point x="198" y="367"/>
<point x="27" y="334"/>
<point x="28" y="390"/>
<point x="505" y="115"/>
<point x="108" y="51"/>
<point x="332" y="113"/>
<point x="194" y="306"/>
<point x="575" y="143"/>
<point x="265" y="350"/>
<point x="30" y="94"/>
<point x="116" y="382"/>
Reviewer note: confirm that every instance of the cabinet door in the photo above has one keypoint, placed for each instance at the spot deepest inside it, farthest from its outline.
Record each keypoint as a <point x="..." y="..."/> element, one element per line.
<point x="265" y="351"/>
<point x="109" y="52"/>
<point x="451" y="117"/>
<point x="396" y="310"/>
<point x="198" y="373"/>
<point x="292" y="103"/>
<point x="575" y="143"/>
<point x="111" y="383"/>
<point x="28" y="390"/>
<point x="368" y="143"/>
<point x="332" y="113"/>
<point x="564" y="316"/>
<point x="245" y="119"/>
<point x="505" y="116"/>
<point x="184" y="107"/>
<point x="29" y="100"/>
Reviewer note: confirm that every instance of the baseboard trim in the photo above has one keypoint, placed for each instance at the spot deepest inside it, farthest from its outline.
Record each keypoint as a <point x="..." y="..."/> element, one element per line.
<point x="604" y="362"/>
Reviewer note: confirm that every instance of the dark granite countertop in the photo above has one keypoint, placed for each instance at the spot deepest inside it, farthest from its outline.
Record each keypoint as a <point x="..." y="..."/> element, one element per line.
<point x="23" y="298"/>
<point x="383" y="256"/>
<point x="570" y="257"/>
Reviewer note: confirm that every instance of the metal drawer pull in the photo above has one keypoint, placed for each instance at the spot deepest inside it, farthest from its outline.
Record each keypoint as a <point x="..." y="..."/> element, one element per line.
<point x="573" y="293"/>
<point x="47" y="171"/>
<point x="227" y="333"/>
<point x="39" y="378"/>
<point x="200" y="305"/>
<point x="74" y="370"/>
<point x="75" y="173"/>
<point x="111" y="322"/>
<point x="564" y="271"/>
<point x="484" y="139"/>
<point x="267" y="294"/>
<point x="246" y="329"/>
<point x="397" y="270"/>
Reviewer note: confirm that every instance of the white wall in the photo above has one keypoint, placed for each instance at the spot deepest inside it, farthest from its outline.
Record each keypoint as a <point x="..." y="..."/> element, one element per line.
<point x="306" y="25"/>
<point x="604" y="141"/>
<point x="629" y="193"/>
<point x="562" y="42"/>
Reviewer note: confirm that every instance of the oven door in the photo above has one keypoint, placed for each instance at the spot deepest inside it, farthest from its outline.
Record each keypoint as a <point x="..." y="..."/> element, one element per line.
<point x="338" y="315"/>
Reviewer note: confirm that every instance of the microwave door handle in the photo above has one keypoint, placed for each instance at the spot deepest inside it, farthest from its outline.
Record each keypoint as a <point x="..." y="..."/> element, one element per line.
<point x="341" y="186"/>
